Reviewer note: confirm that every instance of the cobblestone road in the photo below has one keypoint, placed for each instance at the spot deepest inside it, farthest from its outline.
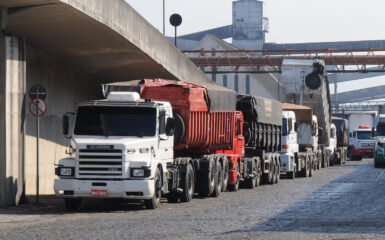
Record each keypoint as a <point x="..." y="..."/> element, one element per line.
<point x="340" y="202"/>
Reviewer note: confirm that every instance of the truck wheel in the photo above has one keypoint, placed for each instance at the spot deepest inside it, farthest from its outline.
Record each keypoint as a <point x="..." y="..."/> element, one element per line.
<point x="218" y="180"/>
<point x="273" y="172"/>
<point x="234" y="187"/>
<point x="259" y="172"/>
<point x="225" y="174"/>
<point x="278" y="170"/>
<point x="306" y="170"/>
<point x="208" y="178"/>
<point x="311" y="168"/>
<point x="154" y="202"/>
<point x="251" y="182"/>
<point x="73" y="203"/>
<point x="188" y="186"/>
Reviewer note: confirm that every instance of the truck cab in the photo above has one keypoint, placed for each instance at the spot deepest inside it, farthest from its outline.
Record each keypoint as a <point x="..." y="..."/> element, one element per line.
<point x="289" y="143"/>
<point x="361" y="143"/>
<point x="120" y="148"/>
<point x="332" y="148"/>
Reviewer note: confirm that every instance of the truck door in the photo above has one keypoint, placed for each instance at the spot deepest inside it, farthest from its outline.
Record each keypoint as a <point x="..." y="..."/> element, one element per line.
<point x="166" y="143"/>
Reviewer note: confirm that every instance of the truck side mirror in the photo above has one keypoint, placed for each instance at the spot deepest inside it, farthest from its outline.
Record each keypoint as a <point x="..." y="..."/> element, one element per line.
<point x="373" y="132"/>
<point x="170" y="127"/>
<point x="66" y="124"/>
<point x="296" y="126"/>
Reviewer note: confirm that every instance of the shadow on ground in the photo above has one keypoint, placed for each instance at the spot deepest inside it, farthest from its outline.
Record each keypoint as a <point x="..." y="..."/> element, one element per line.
<point x="354" y="203"/>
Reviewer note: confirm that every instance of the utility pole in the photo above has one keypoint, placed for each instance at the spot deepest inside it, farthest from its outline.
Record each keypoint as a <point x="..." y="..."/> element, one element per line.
<point x="164" y="17"/>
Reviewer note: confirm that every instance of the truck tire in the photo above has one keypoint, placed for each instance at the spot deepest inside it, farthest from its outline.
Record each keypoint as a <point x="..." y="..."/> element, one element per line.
<point x="225" y="173"/>
<point x="218" y="180"/>
<point x="306" y="170"/>
<point x="72" y="203"/>
<point x="311" y="168"/>
<point x="208" y="177"/>
<point x="278" y="170"/>
<point x="251" y="182"/>
<point x="273" y="171"/>
<point x="188" y="184"/>
<point x="172" y="197"/>
<point x="319" y="160"/>
<point x="259" y="172"/>
<point x="155" y="200"/>
<point x="359" y="158"/>
<point x="235" y="187"/>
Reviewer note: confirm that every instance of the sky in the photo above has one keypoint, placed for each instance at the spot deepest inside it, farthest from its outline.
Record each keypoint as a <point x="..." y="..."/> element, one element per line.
<point x="290" y="21"/>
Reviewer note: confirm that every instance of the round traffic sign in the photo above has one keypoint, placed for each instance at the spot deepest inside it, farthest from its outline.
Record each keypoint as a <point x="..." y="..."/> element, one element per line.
<point x="175" y="20"/>
<point x="37" y="107"/>
<point x="38" y="91"/>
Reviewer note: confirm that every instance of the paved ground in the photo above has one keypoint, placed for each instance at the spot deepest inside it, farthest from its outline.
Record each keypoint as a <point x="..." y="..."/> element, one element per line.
<point x="340" y="202"/>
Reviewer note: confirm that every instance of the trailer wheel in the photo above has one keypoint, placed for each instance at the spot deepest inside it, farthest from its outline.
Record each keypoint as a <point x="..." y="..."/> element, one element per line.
<point x="251" y="182"/>
<point x="259" y="172"/>
<point x="218" y="180"/>
<point x="306" y="171"/>
<point x="278" y="170"/>
<point x="154" y="202"/>
<point x="311" y="168"/>
<point x="188" y="185"/>
<point x="225" y="174"/>
<point x="208" y="177"/>
<point x="72" y="203"/>
<point x="234" y="187"/>
<point x="273" y="171"/>
<point x="319" y="159"/>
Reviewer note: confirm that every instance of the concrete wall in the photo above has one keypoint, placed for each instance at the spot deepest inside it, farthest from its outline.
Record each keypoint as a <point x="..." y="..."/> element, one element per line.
<point x="12" y="89"/>
<point x="65" y="85"/>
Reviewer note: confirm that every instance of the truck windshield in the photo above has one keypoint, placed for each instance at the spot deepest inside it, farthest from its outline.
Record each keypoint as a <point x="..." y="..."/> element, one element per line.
<point x="115" y="121"/>
<point x="284" y="126"/>
<point x="364" y="135"/>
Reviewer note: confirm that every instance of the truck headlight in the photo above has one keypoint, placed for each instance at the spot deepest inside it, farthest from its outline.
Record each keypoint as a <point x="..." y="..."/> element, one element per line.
<point x="140" y="172"/>
<point x="144" y="150"/>
<point x="65" y="171"/>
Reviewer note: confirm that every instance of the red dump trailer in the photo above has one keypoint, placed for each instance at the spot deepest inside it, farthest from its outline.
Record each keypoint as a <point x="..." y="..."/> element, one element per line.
<point x="212" y="138"/>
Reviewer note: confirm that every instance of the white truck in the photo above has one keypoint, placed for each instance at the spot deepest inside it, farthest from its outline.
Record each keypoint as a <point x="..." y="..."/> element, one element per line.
<point x="299" y="141"/>
<point x="334" y="155"/>
<point x="121" y="160"/>
<point x="305" y="83"/>
<point x="361" y="143"/>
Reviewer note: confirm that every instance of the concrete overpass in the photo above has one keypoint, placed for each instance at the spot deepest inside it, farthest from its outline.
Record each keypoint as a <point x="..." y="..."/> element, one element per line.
<point x="71" y="47"/>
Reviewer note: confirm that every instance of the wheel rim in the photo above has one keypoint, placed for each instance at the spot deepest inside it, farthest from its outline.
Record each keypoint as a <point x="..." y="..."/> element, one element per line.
<point x="157" y="188"/>
<point x="190" y="184"/>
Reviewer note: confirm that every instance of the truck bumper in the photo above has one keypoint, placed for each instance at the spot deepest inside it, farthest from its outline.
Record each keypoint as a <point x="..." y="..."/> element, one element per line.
<point x="379" y="157"/>
<point x="364" y="152"/>
<point x="287" y="162"/>
<point x="128" y="189"/>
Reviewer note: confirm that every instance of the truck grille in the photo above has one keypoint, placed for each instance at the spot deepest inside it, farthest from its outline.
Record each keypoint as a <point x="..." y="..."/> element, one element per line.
<point x="100" y="162"/>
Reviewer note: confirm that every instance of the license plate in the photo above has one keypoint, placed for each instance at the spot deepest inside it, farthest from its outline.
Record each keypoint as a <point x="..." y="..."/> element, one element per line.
<point x="95" y="192"/>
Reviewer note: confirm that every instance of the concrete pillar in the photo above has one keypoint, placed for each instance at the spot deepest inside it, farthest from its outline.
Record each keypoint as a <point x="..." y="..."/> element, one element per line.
<point x="12" y="111"/>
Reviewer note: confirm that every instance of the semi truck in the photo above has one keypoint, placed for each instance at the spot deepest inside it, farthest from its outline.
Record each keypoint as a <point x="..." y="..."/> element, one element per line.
<point x="299" y="141"/>
<point x="340" y="132"/>
<point x="305" y="82"/>
<point x="164" y="138"/>
<point x="361" y="142"/>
